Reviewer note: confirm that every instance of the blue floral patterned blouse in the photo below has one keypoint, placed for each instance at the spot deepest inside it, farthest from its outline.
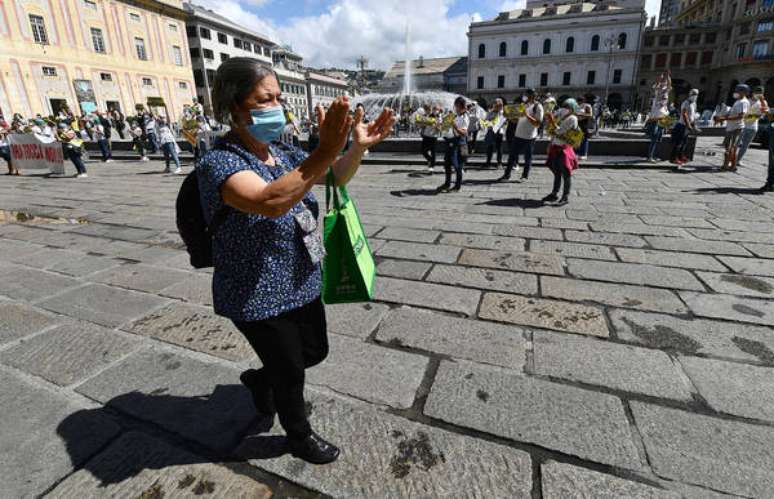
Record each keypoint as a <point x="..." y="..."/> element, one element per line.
<point x="262" y="267"/>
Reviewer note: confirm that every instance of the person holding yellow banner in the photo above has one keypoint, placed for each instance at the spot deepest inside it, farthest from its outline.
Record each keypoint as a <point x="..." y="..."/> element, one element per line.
<point x="267" y="248"/>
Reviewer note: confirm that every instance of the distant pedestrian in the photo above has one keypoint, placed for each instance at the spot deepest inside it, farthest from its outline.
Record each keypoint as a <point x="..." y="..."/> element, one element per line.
<point x="136" y="132"/>
<point x="72" y="149"/>
<point x="150" y="132"/>
<point x="495" y="130"/>
<point x="561" y="155"/>
<point x="98" y="132"/>
<point x="456" y="138"/>
<point x="735" y="125"/>
<point x="758" y="108"/>
<point x="686" y="123"/>
<point x="168" y="146"/>
<point x="429" y="133"/>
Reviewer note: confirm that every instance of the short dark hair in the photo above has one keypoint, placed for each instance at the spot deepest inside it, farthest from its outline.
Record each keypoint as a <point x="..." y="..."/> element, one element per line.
<point x="460" y="101"/>
<point x="235" y="79"/>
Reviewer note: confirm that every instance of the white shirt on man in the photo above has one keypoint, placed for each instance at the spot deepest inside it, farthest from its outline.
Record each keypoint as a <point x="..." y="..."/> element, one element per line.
<point x="462" y="121"/>
<point x="740" y="108"/>
<point x="688" y="108"/>
<point x="526" y="130"/>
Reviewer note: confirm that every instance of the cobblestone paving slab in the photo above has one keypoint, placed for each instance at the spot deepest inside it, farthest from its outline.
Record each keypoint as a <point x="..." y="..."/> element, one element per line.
<point x="528" y="232"/>
<point x="753" y="266"/>
<point x="579" y="422"/>
<point x="736" y="284"/>
<point x="196" y="328"/>
<point x="104" y="305"/>
<point x="723" y="455"/>
<point x="196" y="288"/>
<point x="355" y="319"/>
<point x="494" y="280"/>
<point x="413" y="235"/>
<point x="22" y="283"/>
<point x="597" y="362"/>
<point x="724" y="235"/>
<point x="617" y="295"/>
<point x="136" y="465"/>
<point x="403" y="269"/>
<point x="671" y="259"/>
<point x="390" y="457"/>
<point x="547" y="314"/>
<point x="201" y="401"/>
<point x="370" y="372"/>
<point x="45" y="258"/>
<point x="69" y="353"/>
<point x="699" y="336"/>
<point x="730" y="307"/>
<point x="85" y="265"/>
<point x="519" y="261"/>
<point x="42" y="439"/>
<point x="462" y="338"/>
<point x="638" y="228"/>
<point x="696" y="246"/>
<point x="733" y="388"/>
<point x="483" y="242"/>
<point x="18" y="320"/>
<point x="631" y="273"/>
<point x="418" y="251"/>
<point x="605" y="238"/>
<point x="575" y="250"/>
<point x="565" y="481"/>
<point x="761" y="250"/>
<point x="436" y="296"/>
<point x="140" y="277"/>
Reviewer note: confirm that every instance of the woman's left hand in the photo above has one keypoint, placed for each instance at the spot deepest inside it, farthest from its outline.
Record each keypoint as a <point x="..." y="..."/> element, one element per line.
<point x="365" y="135"/>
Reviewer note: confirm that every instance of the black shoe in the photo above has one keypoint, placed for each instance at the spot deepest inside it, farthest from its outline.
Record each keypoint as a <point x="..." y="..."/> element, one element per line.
<point x="456" y="188"/>
<point x="262" y="396"/>
<point x="562" y="202"/>
<point x="444" y="188"/>
<point x="313" y="449"/>
<point x="524" y="178"/>
<point x="550" y="198"/>
<point x="504" y="178"/>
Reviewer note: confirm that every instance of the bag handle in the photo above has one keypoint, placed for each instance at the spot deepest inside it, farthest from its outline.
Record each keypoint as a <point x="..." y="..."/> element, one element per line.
<point x="330" y="185"/>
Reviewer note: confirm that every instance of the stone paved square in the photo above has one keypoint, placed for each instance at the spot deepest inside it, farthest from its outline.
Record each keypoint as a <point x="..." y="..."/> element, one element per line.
<point x="619" y="346"/>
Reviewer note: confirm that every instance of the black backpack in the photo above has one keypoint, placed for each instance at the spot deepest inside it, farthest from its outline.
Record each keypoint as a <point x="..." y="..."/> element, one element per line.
<point x="191" y="224"/>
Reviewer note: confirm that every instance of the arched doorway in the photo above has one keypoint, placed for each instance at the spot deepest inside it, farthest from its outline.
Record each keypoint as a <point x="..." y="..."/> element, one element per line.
<point x="615" y="101"/>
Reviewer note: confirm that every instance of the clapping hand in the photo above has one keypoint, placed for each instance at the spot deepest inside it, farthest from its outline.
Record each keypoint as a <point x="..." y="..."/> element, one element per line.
<point x="366" y="135"/>
<point x="334" y="126"/>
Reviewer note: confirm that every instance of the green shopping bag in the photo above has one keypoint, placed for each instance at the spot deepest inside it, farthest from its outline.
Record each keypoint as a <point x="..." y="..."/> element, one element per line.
<point x="348" y="268"/>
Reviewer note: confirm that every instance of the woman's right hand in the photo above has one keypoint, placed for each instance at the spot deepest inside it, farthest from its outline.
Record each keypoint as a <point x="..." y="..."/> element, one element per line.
<point x="334" y="126"/>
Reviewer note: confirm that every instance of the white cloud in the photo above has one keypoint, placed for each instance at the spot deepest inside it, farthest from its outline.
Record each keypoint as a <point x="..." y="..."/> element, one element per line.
<point x="510" y="5"/>
<point x="376" y="29"/>
<point x="234" y="11"/>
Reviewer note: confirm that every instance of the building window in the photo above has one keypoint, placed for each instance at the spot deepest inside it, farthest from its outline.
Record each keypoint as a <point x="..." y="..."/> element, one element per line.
<point x="661" y="60"/>
<point x="547" y="46"/>
<point x="223" y="57"/>
<point x="480" y="82"/>
<point x="591" y="76"/>
<point x="522" y="80"/>
<point x="210" y="76"/>
<point x="198" y="78"/>
<point x="595" y="43"/>
<point x="691" y="58"/>
<point x="622" y="41"/>
<point x="694" y="39"/>
<point x="525" y="47"/>
<point x="190" y="31"/>
<point x="49" y="71"/>
<point x="740" y="50"/>
<point x="765" y="26"/>
<point x="645" y="61"/>
<point x="177" y="55"/>
<point x="207" y="54"/>
<point x="182" y="85"/>
<point x="617" y="75"/>
<point x="222" y="38"/>
<point x="481" y="51"/>
<point x="648" y="42"/>
<point x="759" y="49"/>
<point x="90" y="4"/>
<point x="744" y="29"/>
<point x="133" y="16"/>
<point x="204" y="33"/>
<point x="566" y="78"/>
<point x="570" y="45"/>
<point x="237" y="43"/>
<point x="194" y="52"/>
<point x="38" y="29"/>
<point x="147" y="82"/>
<point x="173" y="27"/>
<point x="106" y="77"/>
<point x="680" y="39"/>
<point x="500" y="81"/>
<point x="677" y="60"/>
<point x="710" y="38"/>
<point x="706" y="57"/>
<point x="97" y="40"/>
<point x="543" y="79"/>
<point x="663" y="40"/>
<point x="503" y="49"/>
<point x="139" y="45"/>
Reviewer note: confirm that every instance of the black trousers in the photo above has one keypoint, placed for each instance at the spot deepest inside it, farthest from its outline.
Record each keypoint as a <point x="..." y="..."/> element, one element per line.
<point x="453" y="159"/>
<point x="561" y="173"/>
<point x="520" y="146"/>
<point x="428" y="149"/>
<point x="494" y="141"/>
<point x="287" y="345"/>
<point x="679" y="141"/>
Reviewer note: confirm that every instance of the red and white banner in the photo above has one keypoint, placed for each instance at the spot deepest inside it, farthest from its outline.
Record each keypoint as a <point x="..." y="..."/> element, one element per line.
<point x="36" y="152"/>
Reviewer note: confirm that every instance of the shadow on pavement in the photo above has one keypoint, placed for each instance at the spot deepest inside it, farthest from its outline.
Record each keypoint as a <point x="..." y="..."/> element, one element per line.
<point x="514" y="203"/>
<point x="414" y="192"/>
<point x="195" y="413"/>
<point x="727" y="190"/>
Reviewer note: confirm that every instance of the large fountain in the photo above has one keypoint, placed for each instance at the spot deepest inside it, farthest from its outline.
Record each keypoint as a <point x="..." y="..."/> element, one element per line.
<point x="408" y="98"/>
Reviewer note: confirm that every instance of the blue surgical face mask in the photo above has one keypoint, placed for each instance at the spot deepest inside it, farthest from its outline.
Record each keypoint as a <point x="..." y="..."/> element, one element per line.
<point x="267" y="124"/>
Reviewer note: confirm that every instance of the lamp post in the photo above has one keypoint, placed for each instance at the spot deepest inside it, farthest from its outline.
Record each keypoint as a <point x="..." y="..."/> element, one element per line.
<point x="611" y="42"/>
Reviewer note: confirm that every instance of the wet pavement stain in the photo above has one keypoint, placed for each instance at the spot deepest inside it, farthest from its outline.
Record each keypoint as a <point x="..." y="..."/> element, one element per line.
<point x="756" y="348"/>
<point x="186" y="482"/>
<point x="744" y="309"/>
<point x="415" y="452"/>
<point x="482" y="395"/>
<point x="489" y="276"/>
<point x="308" y="408"/>
<point x="630" y="302"/>
<point x="153" y="492"/>
<point x="748" y="282"/>
<point x="204" y="487"/>
<point x="664" y="337"/>
<point x="469" y="376"/>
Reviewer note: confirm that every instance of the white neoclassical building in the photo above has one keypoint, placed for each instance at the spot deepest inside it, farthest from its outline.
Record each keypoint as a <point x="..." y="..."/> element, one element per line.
<point x="568" y="48"/>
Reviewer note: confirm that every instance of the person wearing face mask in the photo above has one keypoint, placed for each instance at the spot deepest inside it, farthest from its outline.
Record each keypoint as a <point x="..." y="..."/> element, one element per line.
<point x="456" y="138"/>
<point x="525" y="133"/>
<point x="494" y="133"/>
<point x="561" y="156"/>
<point x="758" y="108"/>
<point x="267" y="246"/>
<point x="680" y="130"/>
<point x="735" y="126"/>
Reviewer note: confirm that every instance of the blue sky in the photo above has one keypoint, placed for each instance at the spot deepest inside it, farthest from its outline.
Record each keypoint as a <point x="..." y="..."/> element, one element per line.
<point x="337" y="32"/>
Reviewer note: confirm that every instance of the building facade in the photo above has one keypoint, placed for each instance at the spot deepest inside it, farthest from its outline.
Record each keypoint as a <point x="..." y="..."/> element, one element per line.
<point x="667" y="14"/>
<point x="93" y="53"/>
<point x="213" y="39"/>
<point x="713" y="46"/>
<point x="447" y="74"/>
<point x="566" y="48"/>
<point x="323" y="89"/>
<point x="292" y="78"/>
